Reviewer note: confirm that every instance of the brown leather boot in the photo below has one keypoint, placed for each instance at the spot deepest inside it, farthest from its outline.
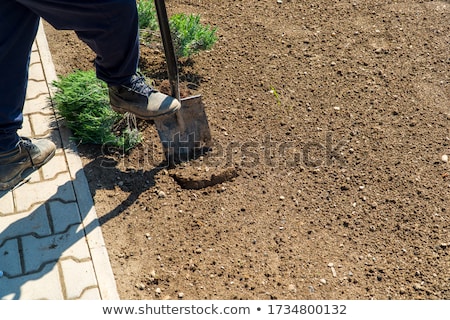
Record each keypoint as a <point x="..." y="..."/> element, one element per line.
<point x="139" y="98"/>
<point x="17" y="163"/>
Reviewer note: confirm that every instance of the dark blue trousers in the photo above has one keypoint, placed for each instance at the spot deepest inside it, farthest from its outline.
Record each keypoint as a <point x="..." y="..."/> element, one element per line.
<point x="108" y="27"/>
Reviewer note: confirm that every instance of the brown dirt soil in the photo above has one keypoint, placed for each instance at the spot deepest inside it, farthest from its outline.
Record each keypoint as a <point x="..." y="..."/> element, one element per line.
<point x="330" y="120"/>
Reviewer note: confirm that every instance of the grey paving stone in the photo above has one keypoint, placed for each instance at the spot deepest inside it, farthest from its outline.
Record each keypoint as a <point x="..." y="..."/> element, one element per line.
<point x="35" y="57"/>
<point x="39" y="104"/>
<point x="34" y="178"/>
<point x="6" y="203"/>
<point x="44" y="285"/>
<point x="39" y="251"/>
<point x="35" y="71"/>
<point x="38" y="89"/>
<point x="41" y="124"/>
<point x="64" y="215"/>
<point x="10" y="258"/>
<point x="90" y="294"/>
<point x="78" y="276"/>
<point x="31" y="193"/>
<point x="26" y="128"/>
<point x="19" y="224"/>
<point x="58" y="166"/>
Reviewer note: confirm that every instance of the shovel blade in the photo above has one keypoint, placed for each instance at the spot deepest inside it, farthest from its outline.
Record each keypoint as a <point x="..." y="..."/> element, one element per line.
<point x="185" y="135"/>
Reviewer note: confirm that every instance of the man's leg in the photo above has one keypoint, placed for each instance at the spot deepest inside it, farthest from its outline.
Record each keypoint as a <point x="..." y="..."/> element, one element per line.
<point x="18" y="27"/>
<point x="110" y="29"/>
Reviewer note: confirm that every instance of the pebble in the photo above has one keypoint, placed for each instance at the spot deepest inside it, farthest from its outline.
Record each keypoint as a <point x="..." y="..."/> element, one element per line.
<point x="140" y="286"/>
<point x="158" y="290"/>
<point x="181" y="295"/>
<point x="444" y="158"/>
<point x="292" y="288"/>
<point x="162" y="194"/>
<point x="280" y="1"/>
<point x="282" y="197"/>
<point x="417" y="286"/>
<point x="323" y="281"/>
<point x="333" y="271"/>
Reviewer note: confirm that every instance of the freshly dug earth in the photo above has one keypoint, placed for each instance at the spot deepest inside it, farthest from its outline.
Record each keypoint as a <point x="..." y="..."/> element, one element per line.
<point x="327" y="180"/>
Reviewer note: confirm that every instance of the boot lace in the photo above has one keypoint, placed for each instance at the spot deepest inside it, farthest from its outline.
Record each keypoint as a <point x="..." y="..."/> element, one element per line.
<point x="28" y="146"/>
<point x="138" y="84"/>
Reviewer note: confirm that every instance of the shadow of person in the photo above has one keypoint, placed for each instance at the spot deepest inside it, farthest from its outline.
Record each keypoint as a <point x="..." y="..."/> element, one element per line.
<point x="103" y="174"/>
<point x="42" y="245"/>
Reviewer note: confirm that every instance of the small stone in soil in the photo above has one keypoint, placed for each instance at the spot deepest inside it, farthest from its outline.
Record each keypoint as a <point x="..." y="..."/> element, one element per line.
<point x="140" y="286"/>
<point x="162" y="194"/>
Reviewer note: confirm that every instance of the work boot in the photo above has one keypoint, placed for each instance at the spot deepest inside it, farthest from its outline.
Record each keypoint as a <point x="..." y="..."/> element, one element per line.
<point x="15" y="164"/>
<point x="139" y="98"/>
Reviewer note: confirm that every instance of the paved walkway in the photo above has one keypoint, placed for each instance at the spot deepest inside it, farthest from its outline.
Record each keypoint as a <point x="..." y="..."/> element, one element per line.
<point x="51" y="245"/>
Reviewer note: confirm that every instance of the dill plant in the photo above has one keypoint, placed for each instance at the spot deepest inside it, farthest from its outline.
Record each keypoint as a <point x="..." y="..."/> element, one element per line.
<point x="83" y="101"/>
<point x="190" y="36"/>
<point x="147" y="14"/>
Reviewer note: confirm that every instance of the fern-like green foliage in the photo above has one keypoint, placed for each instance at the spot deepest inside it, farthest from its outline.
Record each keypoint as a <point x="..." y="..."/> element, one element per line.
<point x="147" y="14"/>
<point x="83" y="101"/>
<point x="190" y="36"/>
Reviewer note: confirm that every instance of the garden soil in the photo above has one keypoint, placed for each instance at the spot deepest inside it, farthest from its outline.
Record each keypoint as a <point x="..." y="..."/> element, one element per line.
<point x="329" y="176"/>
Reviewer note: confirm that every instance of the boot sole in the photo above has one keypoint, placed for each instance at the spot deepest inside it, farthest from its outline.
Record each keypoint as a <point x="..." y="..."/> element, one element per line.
<point x="5" y="186"/>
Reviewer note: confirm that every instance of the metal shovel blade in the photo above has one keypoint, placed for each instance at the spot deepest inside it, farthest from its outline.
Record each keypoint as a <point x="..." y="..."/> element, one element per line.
<point x="185" y="134"/>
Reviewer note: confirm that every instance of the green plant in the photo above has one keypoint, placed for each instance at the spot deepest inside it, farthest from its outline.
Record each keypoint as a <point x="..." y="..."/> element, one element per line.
<point x="275" y="94"/>
<point x="190" y="36"/>
<point x="147" y="14"/>
<point x="82" y="100"/>
<point x="148" y="21"/>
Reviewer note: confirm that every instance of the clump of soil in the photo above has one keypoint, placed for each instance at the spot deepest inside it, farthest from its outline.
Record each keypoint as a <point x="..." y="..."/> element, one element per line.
<point x="195" y="176"/>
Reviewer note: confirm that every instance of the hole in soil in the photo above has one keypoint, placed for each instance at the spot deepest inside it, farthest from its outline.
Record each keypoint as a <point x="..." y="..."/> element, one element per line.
<point x="195" y="177"/>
